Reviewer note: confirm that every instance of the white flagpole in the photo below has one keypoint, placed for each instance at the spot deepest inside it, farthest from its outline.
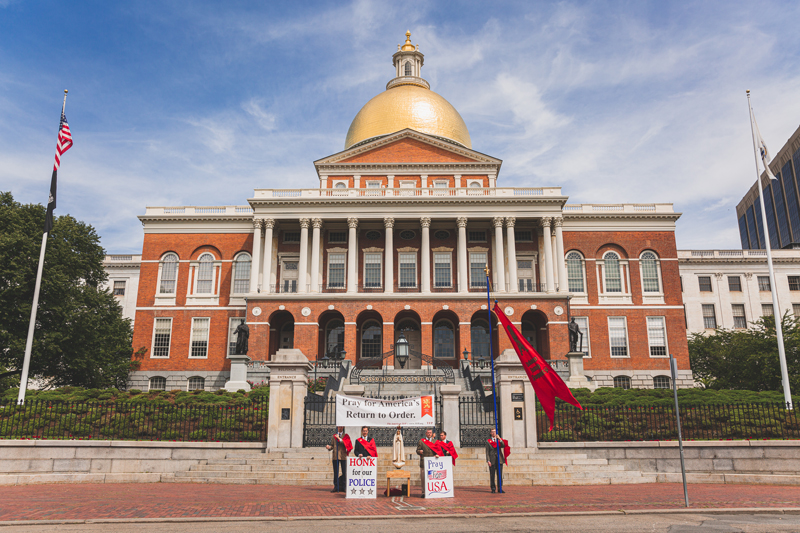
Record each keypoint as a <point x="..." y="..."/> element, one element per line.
<point x="26" y="362"/>
<point x="787" y="394"/>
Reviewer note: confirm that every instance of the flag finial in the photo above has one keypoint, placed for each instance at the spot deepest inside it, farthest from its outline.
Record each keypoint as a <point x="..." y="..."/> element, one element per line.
<point x="748" y="91"/>
<point x="486" y="269"/>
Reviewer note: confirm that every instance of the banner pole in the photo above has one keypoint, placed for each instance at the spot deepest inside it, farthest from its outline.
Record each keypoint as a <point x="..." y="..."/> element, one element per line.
<point x="494" y="380"/>
<point x="673" y="367"/>
<point x="26" y="362"/>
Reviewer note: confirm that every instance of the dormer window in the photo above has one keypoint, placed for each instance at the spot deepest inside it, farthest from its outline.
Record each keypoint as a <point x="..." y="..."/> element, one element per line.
<point x="408" y="68"/>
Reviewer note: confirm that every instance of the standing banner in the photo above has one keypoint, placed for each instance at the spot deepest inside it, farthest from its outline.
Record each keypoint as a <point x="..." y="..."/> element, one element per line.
<point x="362" y="477"/>
<point x="374" y="412"/>
<point x="438" y="477"/>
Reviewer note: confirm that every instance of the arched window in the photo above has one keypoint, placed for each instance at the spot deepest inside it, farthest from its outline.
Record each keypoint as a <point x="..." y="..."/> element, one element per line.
<point x="575" y="272"/>
<point x="205" y="274"/>
<point x="529" y="333"/>
<point x="371" y="339"/>
<point x="444" y="340"/>
<point x="650" y="278"/>
<point x="408" y="68"/>
<point x="340" y="185"/>
<point x="334" y="338"/>
<point x="479" y="339"/>
<point x="197" y="383"/>
<point x="475" y="184"/>
<point x="622" y="382"/>
<point x="241" y="273"/>
<point x="661" y="382"/>
<point x="169" y="274"/>
<point x="158" y="383"/>
<point x="613" y="278"/>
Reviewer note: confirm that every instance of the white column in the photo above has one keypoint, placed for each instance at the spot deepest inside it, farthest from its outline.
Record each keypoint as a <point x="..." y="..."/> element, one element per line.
<point x="390" y="182"/>
<point x="356" y="182"/>
<point x="266" y="284"/>
<point x="352" y="256"/>
<point x="563" y="284"/>
<point x="513" y="284"/>
<point x="423" y="181"/>
<point x="553" y="257"/>
<point x="388" y="284"/>
<point x="548" y="254"/>
<point x="499" y="276"/>
<point x="463" y="278"/>
<point x="254" y="265"/>
<point x="302" y="268"/>
<point x="316" y="223"/>
<point x="425" y="259"/>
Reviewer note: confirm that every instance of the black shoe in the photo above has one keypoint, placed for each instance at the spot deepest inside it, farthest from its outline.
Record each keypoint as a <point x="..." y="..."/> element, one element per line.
<point x="334" y="490"/>
<point x="501" y="491"/>
<point x="492" y="491"/>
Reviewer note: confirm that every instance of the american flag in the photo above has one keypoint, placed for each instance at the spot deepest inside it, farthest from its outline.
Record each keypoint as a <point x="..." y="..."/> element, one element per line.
<point x="64" y="140"/>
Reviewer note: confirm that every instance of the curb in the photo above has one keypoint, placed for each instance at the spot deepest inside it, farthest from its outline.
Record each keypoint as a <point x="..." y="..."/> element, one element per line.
<point x="679" y="510"/>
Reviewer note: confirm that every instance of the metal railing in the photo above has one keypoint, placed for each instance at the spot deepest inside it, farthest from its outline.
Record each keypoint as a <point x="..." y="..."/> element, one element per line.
<point x="476" y="420"/>
<point x="38" y="419"/>
<point x="698" y="422"/>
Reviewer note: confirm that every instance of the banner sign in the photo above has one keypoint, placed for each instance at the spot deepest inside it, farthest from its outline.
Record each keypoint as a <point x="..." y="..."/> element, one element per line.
<point x="374" y="412"/>
<point x="362" y="475"/>
<point x="438" y="477"/>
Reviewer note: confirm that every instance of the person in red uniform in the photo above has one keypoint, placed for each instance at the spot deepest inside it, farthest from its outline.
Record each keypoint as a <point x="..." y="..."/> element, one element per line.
<point x="447" y="447"/>
<point x="341" y="446"/>
<point x="426" y="447"/>
<point x="365" y="445"/>
<point x="495" y="467"/>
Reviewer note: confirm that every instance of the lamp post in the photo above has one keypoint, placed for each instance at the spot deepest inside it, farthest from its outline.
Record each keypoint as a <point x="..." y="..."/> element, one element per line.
<point x="466" y="355"/>
<point x="401" y="350"/>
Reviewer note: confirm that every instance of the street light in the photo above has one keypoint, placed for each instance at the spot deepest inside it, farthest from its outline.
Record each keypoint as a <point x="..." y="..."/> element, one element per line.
<point x="342" y="354"/>
<point x="466" y="355"/>
<point x="401" y="350"/>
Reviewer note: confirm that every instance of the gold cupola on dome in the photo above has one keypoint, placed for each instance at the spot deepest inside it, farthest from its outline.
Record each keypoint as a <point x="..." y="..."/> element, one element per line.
<point x="408" y="102"/>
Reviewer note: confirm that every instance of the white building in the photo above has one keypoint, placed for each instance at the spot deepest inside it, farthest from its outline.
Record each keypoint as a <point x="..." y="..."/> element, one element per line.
<point x="123" y="280"/>
<point x="730" y="288"/>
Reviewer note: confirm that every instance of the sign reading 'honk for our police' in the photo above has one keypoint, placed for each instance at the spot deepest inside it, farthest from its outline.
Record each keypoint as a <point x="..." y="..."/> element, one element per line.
<point x="362" y="476"/>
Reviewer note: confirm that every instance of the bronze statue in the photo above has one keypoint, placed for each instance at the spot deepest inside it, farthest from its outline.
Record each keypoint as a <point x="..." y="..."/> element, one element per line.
<point x="242" y="337"/>
<point x="575" y="336"/>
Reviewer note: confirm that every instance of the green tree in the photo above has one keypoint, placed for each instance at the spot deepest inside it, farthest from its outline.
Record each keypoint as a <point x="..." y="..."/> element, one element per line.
<point x="81" y="337"/>
<point x="747" y="359"/>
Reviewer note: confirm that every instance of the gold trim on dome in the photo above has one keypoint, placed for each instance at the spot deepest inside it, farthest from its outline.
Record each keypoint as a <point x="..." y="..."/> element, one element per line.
<point x="408" y="106"/>
<point x="408" y="47"/>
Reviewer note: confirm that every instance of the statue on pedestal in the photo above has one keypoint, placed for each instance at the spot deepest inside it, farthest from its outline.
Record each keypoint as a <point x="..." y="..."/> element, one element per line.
<point x="575" y="336"/>
<point x="242" y="336"/>
<point x="398" y="452"/>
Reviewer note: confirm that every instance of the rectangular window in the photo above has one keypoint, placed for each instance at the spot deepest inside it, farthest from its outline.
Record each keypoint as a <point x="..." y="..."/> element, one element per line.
<point x="373" y="185"/>
<point x="796" y="309"/>
<point x="336" y="266"/>
<point x="681" y="278"/>
<point x="734" y="284"/>
<point x="705" y="283"/>
<point x="440" y="184"/>
<point x="618" y="336"/>
<point x="523" y="235"/>
<point x="372" y="270"/>
<point x="337" y="236"/>
<point x="234" y="323"/>
<point x="119" y="288"/>
<point x="767" y="310"/>
<point x="289" y="275"/>
<point x="441" y="269"/>
<point x="199" y="337"/>
<point x="525" y="275"/>
<point x="476" y="236"/>
<point x="657" y="336"/>
<point x="739" y="318"/>
<point x="291" y="236"/>
<point x="477" y="275"/>
<point x="763" y="283"/>
<point x="162" y="332"/>
<point x="709" y="316"/>
<point x="794" y="283"/>
<point x="583" y="326"/>
<point x="407" y="265"/>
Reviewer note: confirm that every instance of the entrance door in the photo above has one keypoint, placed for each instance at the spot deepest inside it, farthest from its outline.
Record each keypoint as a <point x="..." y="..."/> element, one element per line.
<point x="410" y="329"/>
<point x="287" y="336"/>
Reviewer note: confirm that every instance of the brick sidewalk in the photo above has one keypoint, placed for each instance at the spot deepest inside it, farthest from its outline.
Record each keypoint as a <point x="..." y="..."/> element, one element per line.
<point x="132" y="501"/>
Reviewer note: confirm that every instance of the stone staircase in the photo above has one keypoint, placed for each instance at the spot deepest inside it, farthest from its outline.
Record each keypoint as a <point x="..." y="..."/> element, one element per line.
<point x="312" y="466"/>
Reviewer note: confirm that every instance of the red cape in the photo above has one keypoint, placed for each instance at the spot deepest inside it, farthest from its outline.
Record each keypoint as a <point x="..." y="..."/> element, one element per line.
<point x="506" y="450"/>
<point x="449" y="448"/>
<point x="369" y="446"/>
<point x="433" y="446"/>
<point x="348" y="446"/>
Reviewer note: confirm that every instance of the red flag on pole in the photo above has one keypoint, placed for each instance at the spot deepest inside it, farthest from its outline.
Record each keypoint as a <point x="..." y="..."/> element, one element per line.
<point x="546" y="382"/>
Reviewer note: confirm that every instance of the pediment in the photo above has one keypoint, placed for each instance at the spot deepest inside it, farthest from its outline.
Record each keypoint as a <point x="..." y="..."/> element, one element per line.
<point x="407" y="147"/>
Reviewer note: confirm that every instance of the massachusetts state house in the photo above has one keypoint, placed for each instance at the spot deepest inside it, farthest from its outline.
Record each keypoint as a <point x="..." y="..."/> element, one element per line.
<point x="395" y="241"/>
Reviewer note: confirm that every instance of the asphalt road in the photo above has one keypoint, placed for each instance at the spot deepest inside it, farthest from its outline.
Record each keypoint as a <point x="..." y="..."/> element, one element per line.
<point x="667" y="522"/>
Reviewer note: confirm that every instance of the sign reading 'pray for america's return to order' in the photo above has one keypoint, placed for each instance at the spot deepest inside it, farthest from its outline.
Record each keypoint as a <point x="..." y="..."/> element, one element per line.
<point x="374" y="412"/>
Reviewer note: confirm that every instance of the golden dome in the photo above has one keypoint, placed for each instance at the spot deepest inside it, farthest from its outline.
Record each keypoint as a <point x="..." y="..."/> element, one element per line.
<point x="408" y="106"/>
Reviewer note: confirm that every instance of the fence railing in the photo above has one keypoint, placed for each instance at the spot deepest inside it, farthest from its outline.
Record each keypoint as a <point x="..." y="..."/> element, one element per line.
<point x="134" y="421"/>
<point x="698" y="422"/>
<point x="476" y="420"/>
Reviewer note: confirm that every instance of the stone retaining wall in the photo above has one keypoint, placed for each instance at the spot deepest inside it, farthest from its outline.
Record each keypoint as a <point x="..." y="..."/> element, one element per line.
<point x="775" y="461"/>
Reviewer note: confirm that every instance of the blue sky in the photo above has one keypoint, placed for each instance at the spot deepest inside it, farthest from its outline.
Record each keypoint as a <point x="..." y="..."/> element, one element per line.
<point x="198" y="103"/>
